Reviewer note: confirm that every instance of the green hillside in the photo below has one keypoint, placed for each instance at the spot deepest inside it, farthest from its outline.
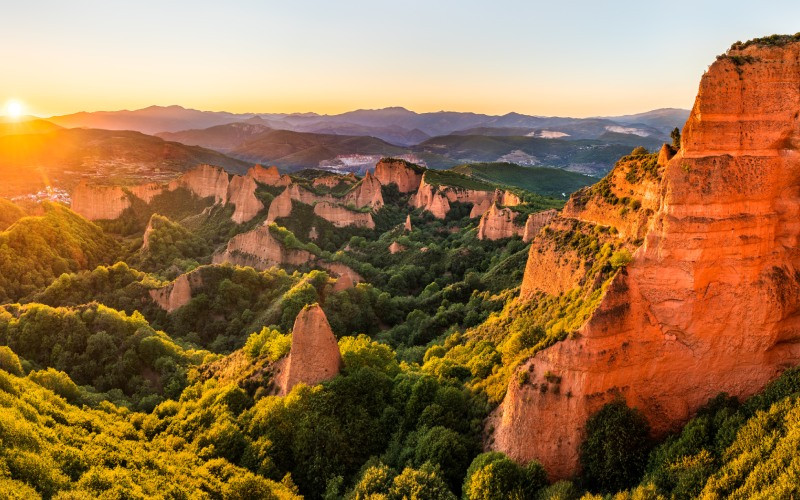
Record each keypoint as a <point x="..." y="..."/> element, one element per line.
<point x="541" y="180"/>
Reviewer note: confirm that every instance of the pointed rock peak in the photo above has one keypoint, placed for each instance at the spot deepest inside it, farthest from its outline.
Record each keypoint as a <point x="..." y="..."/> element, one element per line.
<point x="314" y="356"/>
<point x="665" y="155"/>
<point x="407" y="226"/>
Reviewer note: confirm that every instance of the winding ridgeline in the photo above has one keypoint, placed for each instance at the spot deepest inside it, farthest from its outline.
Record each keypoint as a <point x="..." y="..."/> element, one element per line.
<point x="420" y="333"/>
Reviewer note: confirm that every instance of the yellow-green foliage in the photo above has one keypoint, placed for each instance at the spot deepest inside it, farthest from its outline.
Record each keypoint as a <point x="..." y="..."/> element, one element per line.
<point x="492" y="350"/>
<point x="36" y="250"/>
<point x="51" y="447"/>
<point x="763" y="461"/>
<point x="9" y="213"/>
<point x="100" y="346"/>
<point x="268" y="343"/>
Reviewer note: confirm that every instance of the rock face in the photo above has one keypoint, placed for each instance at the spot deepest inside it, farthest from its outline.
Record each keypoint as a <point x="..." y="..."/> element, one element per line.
<point x="99" y="202"/>
<point x="437" y="199"/>
<point x="536" y="222"/>
<point x="260" y="250"/>
<point x="498" y="223"/>
<point x="242" y="193"/>
<point x="178" y="293"/>
<point x="314" y="356"/>
<point x="340" y="216"/>
<point x="366" y="194"/>
<point x="204" y="181"/>
<point x="281" y="206"/>
<point x="430" y="199"/>
<point x="626" y="206"/>
<point x="710" y="301"/>
<point x="396" y="247"/>
<point x="269" y="176"/>
<point x="399" y="172"/>
<point x="407" y="225"/>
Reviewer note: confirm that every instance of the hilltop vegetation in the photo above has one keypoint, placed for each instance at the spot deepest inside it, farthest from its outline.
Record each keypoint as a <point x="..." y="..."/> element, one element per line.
<point x="544" y="181"/>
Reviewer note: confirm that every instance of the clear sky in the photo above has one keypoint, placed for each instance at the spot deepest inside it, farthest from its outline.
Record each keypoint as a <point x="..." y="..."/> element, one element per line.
<point x="561" y="57"/>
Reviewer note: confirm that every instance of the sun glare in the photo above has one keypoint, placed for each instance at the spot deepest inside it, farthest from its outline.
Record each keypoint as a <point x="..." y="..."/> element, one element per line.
<point x="14" y="109"/>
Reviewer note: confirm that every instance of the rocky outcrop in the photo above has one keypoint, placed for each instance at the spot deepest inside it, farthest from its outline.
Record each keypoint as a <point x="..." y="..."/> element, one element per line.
<point x="204" y="181"/>
<point x="259" y="249"/>
<point x="99" y="202"/>
<point x="665" y="154"/>
<point x="407" y="226"/>
<point x="498" y="223"/>
<point x="367" y="193"/>
<point x="269" y="176"/>
<point x="146" y="192"/>
<point x="178" y="293"/>
<point x="396" y="247"/>
<point x="709" y="303"/>
<point x="437" y="199"/>
<point x="314" y="356"/>
<point x="406" y="176"/>
<point x="429" y="198"/>
<point x="242" y="194"/>
<point x="625" y="199"/>
<point x="281" y="206"/>
<point x="340" y="216"/>
<point x="332" y="181"/>
<point x="536" y="222"/>
<point x="341" y="270"/>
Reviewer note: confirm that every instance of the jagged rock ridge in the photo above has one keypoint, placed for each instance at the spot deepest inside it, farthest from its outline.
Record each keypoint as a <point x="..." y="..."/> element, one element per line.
<point x="709" y="303"/>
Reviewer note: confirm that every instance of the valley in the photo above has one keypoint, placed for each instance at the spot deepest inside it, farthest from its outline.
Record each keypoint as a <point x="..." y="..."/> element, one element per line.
<point x="399" y="305"/>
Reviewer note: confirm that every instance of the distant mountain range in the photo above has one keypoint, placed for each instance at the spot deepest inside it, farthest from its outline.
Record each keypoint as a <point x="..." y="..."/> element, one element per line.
<point x="157" y="143"/>
<point x="32" y="161"/>
<point x="397" y="125"/>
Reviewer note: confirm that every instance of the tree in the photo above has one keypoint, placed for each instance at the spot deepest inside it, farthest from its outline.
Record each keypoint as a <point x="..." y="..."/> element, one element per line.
<point x="616" y="449"/>
<point x="639" y="150"/>
<point x="676" y="138"/>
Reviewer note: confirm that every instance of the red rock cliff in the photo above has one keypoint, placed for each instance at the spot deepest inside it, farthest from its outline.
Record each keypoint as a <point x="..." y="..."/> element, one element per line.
<point x="710" y="301"/>
<point x="497" y="223"/>
<point x="99" y="202"/>
<point x="407" y="178"/>
<point x="314" y="356"/>
<point x="260" y="250"/>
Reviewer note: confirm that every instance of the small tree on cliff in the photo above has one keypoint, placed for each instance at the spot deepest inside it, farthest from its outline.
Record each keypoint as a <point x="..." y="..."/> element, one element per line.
<point x="676" y="138"/>
<point x="617" y="444"/>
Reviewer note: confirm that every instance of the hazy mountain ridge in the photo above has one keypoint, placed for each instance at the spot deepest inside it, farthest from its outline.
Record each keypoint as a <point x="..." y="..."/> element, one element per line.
<point x="396" y="124"/>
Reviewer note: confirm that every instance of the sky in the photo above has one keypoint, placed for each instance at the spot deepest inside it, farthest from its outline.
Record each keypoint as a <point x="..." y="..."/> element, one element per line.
<point x="560" y="57"/>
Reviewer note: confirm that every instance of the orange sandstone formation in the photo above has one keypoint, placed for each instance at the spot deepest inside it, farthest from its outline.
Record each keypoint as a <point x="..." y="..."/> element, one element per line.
<point x="99" y="202"/>
<point x="314" y="356"/>
<point x="242" y="193"/>
<point x="269" y="176"/>
<point x="536" y="222"/>
<point x="204" y="181"/>
<point x="396" y="247"/>
<point x="281" y="206"/>
<point x="498" y="223"/>
<point x="178" y="293"/>
<point x="710" y="301"/>
<point x="366" y="194"/>
<point x="399" y="172"/>
<point x="340" y="216"/>
<point x="407" y="225"/>
<point x="260" y="250"/>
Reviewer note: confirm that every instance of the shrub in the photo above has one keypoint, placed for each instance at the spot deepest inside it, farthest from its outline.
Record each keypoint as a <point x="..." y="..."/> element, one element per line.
<point x="10" y="361"/>
<point x="616" y="449"/>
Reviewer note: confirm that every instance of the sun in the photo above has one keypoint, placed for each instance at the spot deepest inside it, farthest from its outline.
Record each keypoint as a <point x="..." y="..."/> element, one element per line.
<point x="14" y="109"/>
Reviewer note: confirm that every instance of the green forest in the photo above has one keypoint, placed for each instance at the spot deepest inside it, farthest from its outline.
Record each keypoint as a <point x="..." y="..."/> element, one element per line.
<point x="106" y="394"/>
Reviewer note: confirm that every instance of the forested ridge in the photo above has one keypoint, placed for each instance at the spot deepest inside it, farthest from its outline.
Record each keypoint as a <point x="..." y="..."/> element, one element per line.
<point x="107" y="394"/>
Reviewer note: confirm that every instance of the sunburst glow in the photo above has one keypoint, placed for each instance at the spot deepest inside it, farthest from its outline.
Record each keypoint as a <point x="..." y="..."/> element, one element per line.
<point x="14" y="109"/>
